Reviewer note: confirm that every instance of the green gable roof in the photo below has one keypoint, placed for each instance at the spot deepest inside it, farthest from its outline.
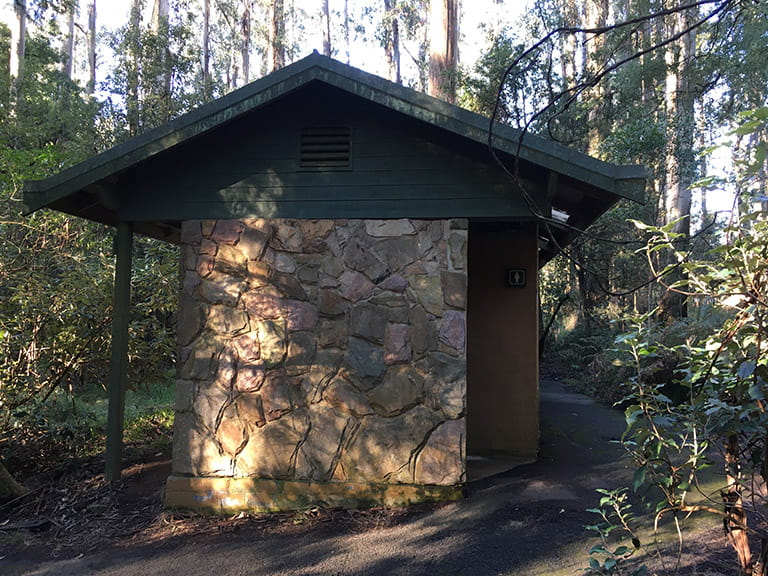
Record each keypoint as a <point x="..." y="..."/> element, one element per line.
<point x="101" y="188"/>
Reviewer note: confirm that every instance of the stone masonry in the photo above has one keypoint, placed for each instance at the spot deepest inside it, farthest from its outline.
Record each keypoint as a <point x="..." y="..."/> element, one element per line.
<point x="323" y="351"/>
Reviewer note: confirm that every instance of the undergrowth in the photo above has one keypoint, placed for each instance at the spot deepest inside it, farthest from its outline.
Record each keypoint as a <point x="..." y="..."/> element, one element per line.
<point x="66" y="429"/>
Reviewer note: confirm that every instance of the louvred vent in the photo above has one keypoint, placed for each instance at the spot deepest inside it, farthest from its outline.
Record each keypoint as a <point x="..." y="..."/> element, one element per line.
<point x="325" y="147"/>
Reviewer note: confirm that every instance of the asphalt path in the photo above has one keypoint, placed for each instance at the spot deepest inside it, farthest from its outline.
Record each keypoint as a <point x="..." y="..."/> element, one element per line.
<point x="527" y="521"/>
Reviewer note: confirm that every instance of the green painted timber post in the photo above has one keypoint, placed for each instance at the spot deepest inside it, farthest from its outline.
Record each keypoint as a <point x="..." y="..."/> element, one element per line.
<point x="119" y="365"/>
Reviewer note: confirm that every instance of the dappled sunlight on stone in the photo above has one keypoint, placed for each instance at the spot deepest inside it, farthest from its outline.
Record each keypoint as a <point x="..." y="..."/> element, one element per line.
<point x="320" y="351"/>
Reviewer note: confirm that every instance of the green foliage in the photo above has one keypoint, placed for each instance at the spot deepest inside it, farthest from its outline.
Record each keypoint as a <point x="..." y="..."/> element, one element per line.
<point x="480" y="88"/>
<point x="65" y="429"/>
<point x="722" y="371"/>
<point x="156" y="76"/>
<point x="56" y="292"/>
<point x="618" y="540"/>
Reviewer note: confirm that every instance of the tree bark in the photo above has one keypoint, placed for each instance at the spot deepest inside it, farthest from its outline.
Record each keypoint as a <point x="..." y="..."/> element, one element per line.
<point x="277" y="35"/>
<point x="132" y="68"/>
<point x="735" y="521"/>
<point x="206" y="50"/>
<point x="8" y="484"/>
<point x="392" y="42"/>
<point x="91" y="87"/>
<point x="443" y="48"/>
<point x="326" y="28"/>
<point x="680" y="113"/>
<point x="596" y="16"/>
<point x="680" y="159"/>
<point x="162" y="85"/>
<point x="69" y="43"/>
<point x="245" y="51"/>
<point x="18" y="48"/>
<point x="346" y="30"/>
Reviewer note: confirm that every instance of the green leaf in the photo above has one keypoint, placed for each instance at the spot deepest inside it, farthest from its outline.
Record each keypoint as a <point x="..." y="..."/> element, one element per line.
<point x="638" y="478"/>
<point x="640" y="225"/>
<point x="748" y="127"/>
<point x="746" y="369"/>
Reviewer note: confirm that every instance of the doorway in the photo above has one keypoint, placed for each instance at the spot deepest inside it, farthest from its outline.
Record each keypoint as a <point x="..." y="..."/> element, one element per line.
<point x="502" y="347"/>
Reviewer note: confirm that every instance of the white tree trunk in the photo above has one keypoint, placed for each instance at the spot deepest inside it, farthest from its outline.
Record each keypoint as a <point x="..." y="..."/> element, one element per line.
<point x="18" y="47"/>
<point x="245" y="50"/>
<point x="326" y="28"/>
<point x="392" y="44"/>
<point x="206" y="50"/>
<point x="679" y="102"/>
<point x="69" y="43"/>
<point x="160" y="14"/>
<point x="91" y="88"/>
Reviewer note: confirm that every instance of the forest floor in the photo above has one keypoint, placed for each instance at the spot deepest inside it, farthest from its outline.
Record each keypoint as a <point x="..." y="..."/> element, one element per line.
<point x="527" y="521"/>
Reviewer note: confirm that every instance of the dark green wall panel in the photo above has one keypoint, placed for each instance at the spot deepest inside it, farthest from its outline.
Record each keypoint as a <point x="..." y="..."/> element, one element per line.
<point x="252" y="168"/>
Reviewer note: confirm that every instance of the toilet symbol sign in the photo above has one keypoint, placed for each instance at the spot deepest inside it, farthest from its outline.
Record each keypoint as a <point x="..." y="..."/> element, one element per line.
<point x="515" y="277"/>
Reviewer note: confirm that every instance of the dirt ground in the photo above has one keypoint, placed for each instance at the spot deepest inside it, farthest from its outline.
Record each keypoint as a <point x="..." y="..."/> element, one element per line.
<point x="527" y="521"/>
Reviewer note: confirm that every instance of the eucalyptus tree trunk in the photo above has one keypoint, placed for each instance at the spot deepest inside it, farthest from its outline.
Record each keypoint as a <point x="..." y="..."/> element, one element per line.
<point x="245" y="46"/>
<point x="680" y="158"/>
<point x="679" y="104"/>
<point x="392" y="40"/>
<point x="596" y="16"/>
<point x="443" y="48"/>
<point x="568" y="45"/>
<point x="206" y="41"/>
<point x="643" y="43"/>
<point x="277" y="35"/>
<point x="69" y="42"/>
<point x="161" y="83"/>
<point x="18" y="48"/>
<point x="346" y="30"/>
<point x="91" y="86"/>
<point x="326" y="16"/>
<point x="132" y="68"/>
<point x="569" y="73"/>
<point x="735" y="521"/>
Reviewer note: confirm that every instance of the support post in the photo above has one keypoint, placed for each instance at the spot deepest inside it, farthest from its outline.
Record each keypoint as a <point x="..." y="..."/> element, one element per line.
<point x="119" y="364"/>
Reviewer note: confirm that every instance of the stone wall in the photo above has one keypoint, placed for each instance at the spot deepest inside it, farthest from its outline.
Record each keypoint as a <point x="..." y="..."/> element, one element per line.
<point x="323" y="351"/>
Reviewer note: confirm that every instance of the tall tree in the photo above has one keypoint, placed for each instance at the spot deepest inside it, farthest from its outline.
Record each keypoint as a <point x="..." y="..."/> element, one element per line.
<point x="245" y="46"/>
<point x="133" y="37"/>
<point x="680" y="156"/>
<point x="594" y="58"/>
<point x="18" y="47"/>
<point x="206" y="48"/>
<point x="69" y="40"/>
<point x="277" y="35"/>
<point x="391" y="39"/>
<point x="443" y="48"/>
<point x="346" y="31"/>
<point x="160" y="58"/>
<point x="326" y="17"/>
<point x="91" y="86"/>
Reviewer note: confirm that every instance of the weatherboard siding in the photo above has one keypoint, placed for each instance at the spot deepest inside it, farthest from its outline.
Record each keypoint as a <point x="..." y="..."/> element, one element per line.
<point x="253" y="168"/>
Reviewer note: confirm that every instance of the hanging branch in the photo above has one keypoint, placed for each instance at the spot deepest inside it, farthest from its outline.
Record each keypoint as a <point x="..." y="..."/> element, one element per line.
<point x="564" y="99"/>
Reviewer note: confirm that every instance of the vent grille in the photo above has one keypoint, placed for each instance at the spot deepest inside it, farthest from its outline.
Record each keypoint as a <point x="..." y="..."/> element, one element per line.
<point x="325" y="147"/>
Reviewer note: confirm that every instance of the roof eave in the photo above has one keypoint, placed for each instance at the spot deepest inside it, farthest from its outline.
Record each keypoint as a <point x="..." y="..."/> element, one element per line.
<point x="622" y="181"/>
